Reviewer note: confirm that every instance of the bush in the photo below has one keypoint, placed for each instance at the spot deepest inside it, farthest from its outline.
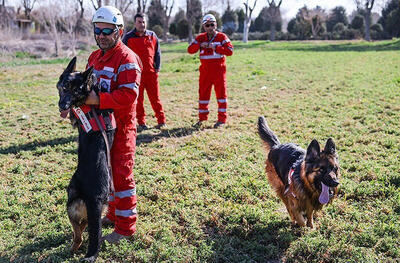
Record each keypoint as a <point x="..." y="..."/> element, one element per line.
<point x="182" y="29"/>
<point x="158" y="30"/>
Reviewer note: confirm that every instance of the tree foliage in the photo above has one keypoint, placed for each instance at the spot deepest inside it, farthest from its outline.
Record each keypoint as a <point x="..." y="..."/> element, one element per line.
<point x="337" y="15"/>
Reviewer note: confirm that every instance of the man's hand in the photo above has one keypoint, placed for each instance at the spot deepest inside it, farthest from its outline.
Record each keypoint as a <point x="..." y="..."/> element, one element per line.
<point x="157" y="70"/>
<point x="204" y="45"/>
<point x="92" y="99"/>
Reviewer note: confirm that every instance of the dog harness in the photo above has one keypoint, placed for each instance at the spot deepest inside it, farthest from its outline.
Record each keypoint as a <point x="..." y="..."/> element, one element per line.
<point x="290" y="179"/>
<point x="88" y="122"/>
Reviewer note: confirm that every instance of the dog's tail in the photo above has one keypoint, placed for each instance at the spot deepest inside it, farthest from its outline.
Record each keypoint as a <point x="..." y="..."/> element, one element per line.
<point x="266" y="134"/>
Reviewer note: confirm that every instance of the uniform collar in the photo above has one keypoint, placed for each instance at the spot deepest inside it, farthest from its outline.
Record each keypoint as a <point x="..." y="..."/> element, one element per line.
<point x="109" y="53"/>
<point x="137" y="33"/>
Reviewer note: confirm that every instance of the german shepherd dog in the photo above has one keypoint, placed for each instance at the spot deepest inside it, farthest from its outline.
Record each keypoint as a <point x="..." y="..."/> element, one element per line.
<point x="303" y="180"/>
<point x="89" y="187"/>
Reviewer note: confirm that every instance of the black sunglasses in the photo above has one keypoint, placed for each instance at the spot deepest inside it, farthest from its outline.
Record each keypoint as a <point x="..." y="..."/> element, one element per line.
<point x="105" y="31"/>
<point x="208" y="25"/>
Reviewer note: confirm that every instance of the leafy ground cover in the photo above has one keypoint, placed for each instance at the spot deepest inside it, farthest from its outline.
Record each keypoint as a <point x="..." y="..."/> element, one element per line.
<point x="203" y="194"/>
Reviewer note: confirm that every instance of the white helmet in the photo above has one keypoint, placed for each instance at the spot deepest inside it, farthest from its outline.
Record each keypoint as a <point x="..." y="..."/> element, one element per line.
<point x="208" y="18"/>
<point x="108" y="14"/>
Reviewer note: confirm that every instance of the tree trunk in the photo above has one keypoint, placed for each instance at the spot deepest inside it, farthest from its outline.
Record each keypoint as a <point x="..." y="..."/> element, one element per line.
<point x="246" y="29"/>
<point x="367" y="24"/>
<point x="165" y="29"/>
<point x="190" y="31"/>
<point x="56" y="39"/>
<point x="273" y="30"/>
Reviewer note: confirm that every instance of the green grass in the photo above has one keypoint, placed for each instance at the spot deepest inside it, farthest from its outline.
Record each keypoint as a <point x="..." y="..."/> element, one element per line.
<point x="203" y="195"/>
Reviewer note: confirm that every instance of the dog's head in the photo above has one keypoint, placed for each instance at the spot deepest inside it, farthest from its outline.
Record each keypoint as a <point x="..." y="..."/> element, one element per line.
<point x="73" y="86"/>
<point x="322" y="168"/>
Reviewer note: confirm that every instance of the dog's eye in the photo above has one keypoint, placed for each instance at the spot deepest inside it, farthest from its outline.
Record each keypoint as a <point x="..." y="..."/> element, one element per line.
<point x="322" y="170"/>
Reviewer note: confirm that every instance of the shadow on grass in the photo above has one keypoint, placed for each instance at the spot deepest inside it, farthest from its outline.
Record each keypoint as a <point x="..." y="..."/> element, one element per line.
<point x="259" y="244"/>
<point x="31" y="146"/>
<point x="32" y="252"/>
<point x="165" y="133"/>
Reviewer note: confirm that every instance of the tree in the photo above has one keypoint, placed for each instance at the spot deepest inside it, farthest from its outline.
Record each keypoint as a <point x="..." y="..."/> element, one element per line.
<point x="193" y="16"/>
<point x="366" y="6"/>
<point x="240" y="15"/>
<point x="390" y="19"/>
<point x="97" y="4"/>
<point x="159" y="13"/>
<point x="247" y="19"/>
<point x="141" y="6"/>
<point x="273" y="16"/>
<point x="315" y="17"/>
<point x="229" y="21"/>
<point x="337" y="15"/>
<point x="357" y="22"/>
<point x="28" y="6"/>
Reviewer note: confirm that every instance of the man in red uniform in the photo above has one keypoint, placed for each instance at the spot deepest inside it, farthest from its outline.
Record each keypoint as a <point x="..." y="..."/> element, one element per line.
<point x="214" y="46"/>
<point x="145" y="43"/>
<point x="118" y="70"/>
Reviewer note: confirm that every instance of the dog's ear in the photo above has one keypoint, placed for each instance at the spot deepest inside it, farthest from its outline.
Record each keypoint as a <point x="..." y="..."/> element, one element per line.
<point x="71" y="66"/>
<point x="313" y="151"/>
<point x="86" y="75"/>
<point x="330" y="147"/>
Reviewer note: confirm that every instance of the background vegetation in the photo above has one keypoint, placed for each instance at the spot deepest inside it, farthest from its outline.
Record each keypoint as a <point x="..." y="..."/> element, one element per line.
<point x="203" y="194"/>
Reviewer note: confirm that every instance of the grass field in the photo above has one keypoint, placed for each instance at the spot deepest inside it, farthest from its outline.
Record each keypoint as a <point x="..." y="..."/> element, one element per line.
<point x="203" y="194"/>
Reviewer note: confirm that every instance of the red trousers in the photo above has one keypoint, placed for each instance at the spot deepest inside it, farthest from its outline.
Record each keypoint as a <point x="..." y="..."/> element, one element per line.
<point x="122" y="205"/>
<point x="149" y="82"/>
<point x="212" y="74"/>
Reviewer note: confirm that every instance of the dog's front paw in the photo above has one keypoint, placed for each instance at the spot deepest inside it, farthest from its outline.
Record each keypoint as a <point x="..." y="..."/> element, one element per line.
<point x="89" y="259"/>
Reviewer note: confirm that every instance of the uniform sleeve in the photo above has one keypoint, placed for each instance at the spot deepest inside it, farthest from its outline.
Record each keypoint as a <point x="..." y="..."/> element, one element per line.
<point x="194" y="46"/>
<point x="127" y="91"/>
<point x="157" y="55"/>
<point x="226" y="47"/>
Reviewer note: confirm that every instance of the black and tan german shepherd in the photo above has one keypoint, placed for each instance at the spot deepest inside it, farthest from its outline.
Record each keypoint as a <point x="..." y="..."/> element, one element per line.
<point x="304" y="180"/>
<point x="89" y="187"/>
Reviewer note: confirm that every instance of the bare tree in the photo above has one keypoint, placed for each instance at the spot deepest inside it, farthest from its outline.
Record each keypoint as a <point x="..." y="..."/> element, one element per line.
<point x="141" y="6"/>
<point x="81" y="9"/>
<point x="167" y="9"/>
<point x="189" y="17"/>
<point x="247" y="19"/>
<point x="28" y="6"/>
<point x="97" y="4"/>
<point x="366" y="6"/>
<point x="315" y="17"/>
<point x="123" y="5"/>
<point x="274" y="15"/>
<point x="48" y="17"/>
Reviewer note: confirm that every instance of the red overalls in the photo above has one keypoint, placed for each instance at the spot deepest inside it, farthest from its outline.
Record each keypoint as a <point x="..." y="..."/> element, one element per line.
<point x="148" y="49"/>
<point x="118" y="70"/>
<point x="212" y="72"/>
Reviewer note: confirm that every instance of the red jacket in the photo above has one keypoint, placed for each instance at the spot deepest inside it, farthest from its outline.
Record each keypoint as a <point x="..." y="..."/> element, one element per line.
<point x="119" y="70"/>
<point x="146" y="47"/>
<point x="223" y="47"/>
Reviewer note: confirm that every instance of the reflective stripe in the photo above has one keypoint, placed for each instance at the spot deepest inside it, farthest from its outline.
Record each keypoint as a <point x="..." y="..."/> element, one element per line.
<point x="128" y="66"/>
<point x="204" y="101"/>
<point x="222" y="100"/>
<point x="111" y="198"/>
<point x="126" y="193"/>
<point x="203" y="111"/>
<point x="126" y="213"/>
<point x="212" y="56"/>
<point x="222" y="110"/>
<point x="230" y="48"/>
<point x="225" y="41"/>
<point x="99" y="73"/>
<point x="132" y="86"/>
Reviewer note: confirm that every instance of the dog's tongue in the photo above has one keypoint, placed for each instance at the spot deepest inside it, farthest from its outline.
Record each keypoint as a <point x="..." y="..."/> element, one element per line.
<point x="324" y="196"/>
<point x="64" y="113"/>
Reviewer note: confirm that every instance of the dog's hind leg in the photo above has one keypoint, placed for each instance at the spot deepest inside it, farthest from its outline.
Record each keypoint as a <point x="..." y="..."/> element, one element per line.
<point x="94" y="208"/>
<point x="77" y="217"/>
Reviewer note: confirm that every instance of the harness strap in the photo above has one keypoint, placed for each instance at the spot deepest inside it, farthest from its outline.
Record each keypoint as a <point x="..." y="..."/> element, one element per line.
<point x="290" y="179"/>
<point x="107" y="147"/>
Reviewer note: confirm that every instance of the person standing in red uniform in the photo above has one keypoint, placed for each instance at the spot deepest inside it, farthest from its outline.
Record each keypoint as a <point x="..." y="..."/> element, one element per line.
<point x="213" y="46"/>
<point x="145" y="43"/>
<point x="118" y="70"/>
